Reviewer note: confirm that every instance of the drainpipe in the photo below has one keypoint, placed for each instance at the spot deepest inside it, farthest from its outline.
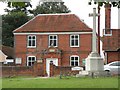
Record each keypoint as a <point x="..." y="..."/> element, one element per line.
<point x="99" y="29"/>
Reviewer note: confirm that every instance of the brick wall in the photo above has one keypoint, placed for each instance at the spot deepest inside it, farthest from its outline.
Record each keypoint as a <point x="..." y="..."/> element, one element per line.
<point x="113" y="56"/>
<point x="111" y="43"/>
<point x="63" y="70"/>
<point x="36" y="70"/>
<point x="8" y="71"/>
<point x="21" y="50"/>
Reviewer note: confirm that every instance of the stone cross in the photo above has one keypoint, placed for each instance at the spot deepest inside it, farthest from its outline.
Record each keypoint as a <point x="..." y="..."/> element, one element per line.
<point x="94" y="38"/>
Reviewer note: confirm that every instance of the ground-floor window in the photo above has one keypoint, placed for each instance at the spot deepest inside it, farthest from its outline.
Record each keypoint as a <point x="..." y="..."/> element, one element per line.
<point x="31" y="60"/>
<point x="74" y="60"/>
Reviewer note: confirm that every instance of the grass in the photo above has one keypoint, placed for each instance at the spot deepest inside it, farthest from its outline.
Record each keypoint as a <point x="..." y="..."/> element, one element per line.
<point x="71" y="82"/>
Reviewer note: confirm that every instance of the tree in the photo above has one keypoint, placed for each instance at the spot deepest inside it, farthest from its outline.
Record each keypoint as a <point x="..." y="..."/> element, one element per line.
<point x="16" y="16"/>
<point x="50" y="7"/>
<point x="18" y="7"/>
<point x="18" y="3"/>
<point x="114" y="4"/>
<point x="11" y="22"/>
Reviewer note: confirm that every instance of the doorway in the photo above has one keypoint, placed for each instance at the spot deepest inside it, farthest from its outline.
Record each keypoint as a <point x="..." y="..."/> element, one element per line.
<point x="48" y="60"/>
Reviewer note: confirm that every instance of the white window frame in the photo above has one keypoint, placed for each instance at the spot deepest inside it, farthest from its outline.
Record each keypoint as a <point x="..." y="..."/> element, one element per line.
<point x="74" y="60"/>
<point x="53" y="39"/>
<point x="74" y="40"/>
<point x="110" y="34"/>
<point x="18" y="61"/>
<point x="28" y="60"/>
<point x="31" y="41"/>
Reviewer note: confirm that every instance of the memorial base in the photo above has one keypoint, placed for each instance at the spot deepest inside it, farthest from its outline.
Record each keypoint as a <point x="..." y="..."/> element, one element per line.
<point x="94" y="63"/>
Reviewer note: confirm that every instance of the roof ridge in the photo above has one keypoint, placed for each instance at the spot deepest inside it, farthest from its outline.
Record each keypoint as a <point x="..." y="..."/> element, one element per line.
<point x="55" y="14"/>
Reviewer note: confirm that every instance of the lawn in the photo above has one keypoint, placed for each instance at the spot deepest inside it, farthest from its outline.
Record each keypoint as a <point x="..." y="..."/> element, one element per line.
<point x="71" y="82"/>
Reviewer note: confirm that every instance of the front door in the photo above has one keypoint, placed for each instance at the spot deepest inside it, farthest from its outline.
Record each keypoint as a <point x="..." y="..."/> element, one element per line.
<point x="48" y="60"/>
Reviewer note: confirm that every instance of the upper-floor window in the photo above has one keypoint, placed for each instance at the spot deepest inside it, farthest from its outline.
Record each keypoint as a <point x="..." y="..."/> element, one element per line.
<point x="53" y="40"/>
<point x="107" y="32"/>
<point x="31" y="60"/>
<point x="31" y="41"/>
<point x="74" y="40"/>
<point x="74" y="60"/>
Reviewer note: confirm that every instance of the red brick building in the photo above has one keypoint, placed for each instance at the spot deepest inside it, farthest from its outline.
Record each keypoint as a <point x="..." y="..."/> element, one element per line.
<point x="62" y="39"/>
<point x="111" y="39"/>
<point x="111" y="45"/>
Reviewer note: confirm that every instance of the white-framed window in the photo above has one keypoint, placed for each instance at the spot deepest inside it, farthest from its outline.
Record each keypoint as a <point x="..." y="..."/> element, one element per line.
<point x="53" y="40"/>
<point x="107" y="32"/>
<point x="31" y="41"/>
<point x="18" y="61"/>
<point x="31" y="60"/>
<point x="74" y="60"/>
<point x="74" y="40"/>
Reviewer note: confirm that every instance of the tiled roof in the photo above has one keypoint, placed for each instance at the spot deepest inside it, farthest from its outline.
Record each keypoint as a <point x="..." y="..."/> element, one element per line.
<point x="54" y="23"/>
<point x="9" y="51"/>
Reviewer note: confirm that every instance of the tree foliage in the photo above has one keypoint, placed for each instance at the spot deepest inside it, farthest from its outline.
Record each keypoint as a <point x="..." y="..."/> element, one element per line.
<point x="17" y="3"/>
<point x="114" y="4"/>
<point x="16" y="16"/>
<point x="50" y="7"/>
<point x="18" y="7"/>
<point x="11" y="22"/>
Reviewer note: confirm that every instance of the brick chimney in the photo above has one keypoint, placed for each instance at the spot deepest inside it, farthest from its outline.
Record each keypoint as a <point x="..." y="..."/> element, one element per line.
<point x="107" y="18"/>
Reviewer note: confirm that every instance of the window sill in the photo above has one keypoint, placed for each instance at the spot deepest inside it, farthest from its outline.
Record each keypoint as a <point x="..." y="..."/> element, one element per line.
<point x="74" y="46"/>
<point x="107" y="34"/>
<point x="31" y="47"/>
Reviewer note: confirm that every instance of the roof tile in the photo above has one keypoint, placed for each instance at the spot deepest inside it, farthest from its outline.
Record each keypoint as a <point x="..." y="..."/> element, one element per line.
<point x="54" y="23"/>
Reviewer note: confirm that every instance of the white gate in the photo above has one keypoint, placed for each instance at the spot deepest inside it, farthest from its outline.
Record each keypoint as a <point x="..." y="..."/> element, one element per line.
<point x="48" y="60"/>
